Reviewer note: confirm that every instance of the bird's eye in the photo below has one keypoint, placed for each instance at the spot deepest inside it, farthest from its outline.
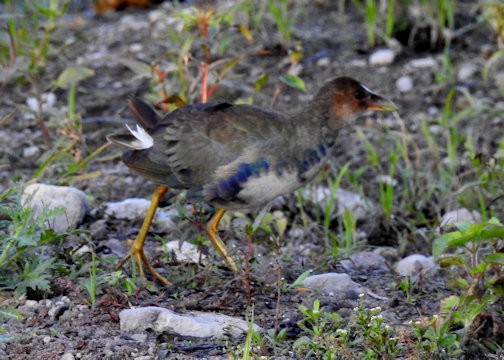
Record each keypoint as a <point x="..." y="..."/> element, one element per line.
<point x="360" y="94"/>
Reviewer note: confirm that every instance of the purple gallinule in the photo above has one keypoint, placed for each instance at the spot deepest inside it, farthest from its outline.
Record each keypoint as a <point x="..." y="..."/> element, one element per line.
<point x="238" y="156"/>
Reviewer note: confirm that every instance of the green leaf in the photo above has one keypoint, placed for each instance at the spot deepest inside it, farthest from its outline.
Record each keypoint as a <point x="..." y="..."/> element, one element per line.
<point x="495" y="221"/>
<point x="299" y="281"/>
<point x="246" y="33"/>
<point x="10" y="313"/>
<point x="228" y="66"/>
<point x="73" y="75"/>
<point x="452" y="260"/>
<point x="261" y="81"/>
<point x="440" y="244"/>
<point x="449" y="303"/>
<point x="496" y="258"/>
<point x="141" y="69"/>
<point x="463" y="225"/>
<point x="293" y="81"/>
<point x="479" y="269"/>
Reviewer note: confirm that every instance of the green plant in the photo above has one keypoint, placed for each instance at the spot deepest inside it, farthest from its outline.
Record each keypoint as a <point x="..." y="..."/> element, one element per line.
<point x="26" y="56"/>
<point x="379" y="20"/>
<point x="481" y="258"/>
<point x="23" y="232"/>
<point x="366" y="337"/>
<point x="91" y="283"/>
<point x="280" y="11"/>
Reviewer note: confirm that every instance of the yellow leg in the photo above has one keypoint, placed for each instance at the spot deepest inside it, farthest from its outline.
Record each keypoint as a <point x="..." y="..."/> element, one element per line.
<point x="137" y="246"/>
<point x="212" y="228"/>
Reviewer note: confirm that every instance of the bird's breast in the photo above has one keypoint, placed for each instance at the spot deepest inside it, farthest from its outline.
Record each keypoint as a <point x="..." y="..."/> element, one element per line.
<point x="258" y="191"/>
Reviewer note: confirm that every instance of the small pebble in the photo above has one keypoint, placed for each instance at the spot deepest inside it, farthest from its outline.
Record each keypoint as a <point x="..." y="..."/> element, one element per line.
<point x="423" y="63"/>
<point x="466" y="71"/>
<point x="382" y="57"/>
<point x="67" y="356"/>
<point x="30" y="151"/>
<point x="323" y="62"/>
<point x="136" y="47"/>
<point x="404" y="84"/>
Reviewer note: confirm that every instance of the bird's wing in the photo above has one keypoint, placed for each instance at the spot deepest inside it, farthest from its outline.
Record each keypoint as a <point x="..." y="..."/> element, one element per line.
<point x="196" y="140"/>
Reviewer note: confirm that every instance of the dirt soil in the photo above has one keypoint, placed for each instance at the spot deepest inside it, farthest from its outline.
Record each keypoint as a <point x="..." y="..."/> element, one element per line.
<point x="62" y="321"/>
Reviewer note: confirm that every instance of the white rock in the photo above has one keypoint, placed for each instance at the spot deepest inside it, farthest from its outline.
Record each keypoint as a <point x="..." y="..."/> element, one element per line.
<point x="41" y="197"/>
<point x="457" y="215"/>
<point x="30" y="151"/>
<point x="133" y="209"/>
<point x="343" y="199"/>
<point x="136" y="47"/>
<point x="436" y="129"/>
<point x="33" y="104"/>
<point x="404" y="84"/>
<point x="48" y="101"/>
<point x="433" y="110"/>
<point x="184" y="252"/>
<point x="347" y="200"/>
<point x="67" y="356"/>
<point x="414" y="264"/>
<point x="382" y="57"/>
<point x="195" y="324"/>
<point x="84" y="249"/>
<point x="324" y="62"/>
<point x="423" y="63"/>
<point x="466" y="71"/>
<point x="334" y="284"/>
<point x="156" y="15"/>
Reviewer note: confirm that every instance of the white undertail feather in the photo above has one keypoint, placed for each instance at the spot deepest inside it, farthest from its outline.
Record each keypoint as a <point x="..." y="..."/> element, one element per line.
<point x="143" y="139"/>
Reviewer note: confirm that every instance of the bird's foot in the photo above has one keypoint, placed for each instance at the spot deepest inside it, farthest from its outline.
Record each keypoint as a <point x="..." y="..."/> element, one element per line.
<point x="141" y="261"/>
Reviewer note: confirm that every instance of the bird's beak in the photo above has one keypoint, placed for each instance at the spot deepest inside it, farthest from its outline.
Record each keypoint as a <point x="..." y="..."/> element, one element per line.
<point x="379" y="103"/>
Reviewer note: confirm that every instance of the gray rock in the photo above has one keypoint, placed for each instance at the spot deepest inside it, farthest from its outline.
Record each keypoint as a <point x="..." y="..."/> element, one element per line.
<point x="41" y="197"/>
<point x="414" y="264"/>
<point x="388" y="252"/>
<point x="195" y="324"/>
<point x="382" y="57"/>
<point x="457" y="215"/>
<point x="139" y="337"/>
<point x="185" y="252"/>
<point x="366" y="262"/>
<point x="334" y="284"/>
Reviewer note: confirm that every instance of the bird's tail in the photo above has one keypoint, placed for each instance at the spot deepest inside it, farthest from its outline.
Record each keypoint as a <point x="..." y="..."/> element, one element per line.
<point x="138" y="137"/>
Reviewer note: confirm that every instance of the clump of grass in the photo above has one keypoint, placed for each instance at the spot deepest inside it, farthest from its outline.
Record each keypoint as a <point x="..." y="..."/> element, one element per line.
<point x="367" y="336"/>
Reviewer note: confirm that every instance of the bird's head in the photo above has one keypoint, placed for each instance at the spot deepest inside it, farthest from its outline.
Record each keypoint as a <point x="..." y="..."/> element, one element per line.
<point x="343" y="99"/>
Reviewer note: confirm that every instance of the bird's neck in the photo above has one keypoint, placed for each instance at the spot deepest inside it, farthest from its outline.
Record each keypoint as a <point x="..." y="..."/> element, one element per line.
<point x="311" y="128"/>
